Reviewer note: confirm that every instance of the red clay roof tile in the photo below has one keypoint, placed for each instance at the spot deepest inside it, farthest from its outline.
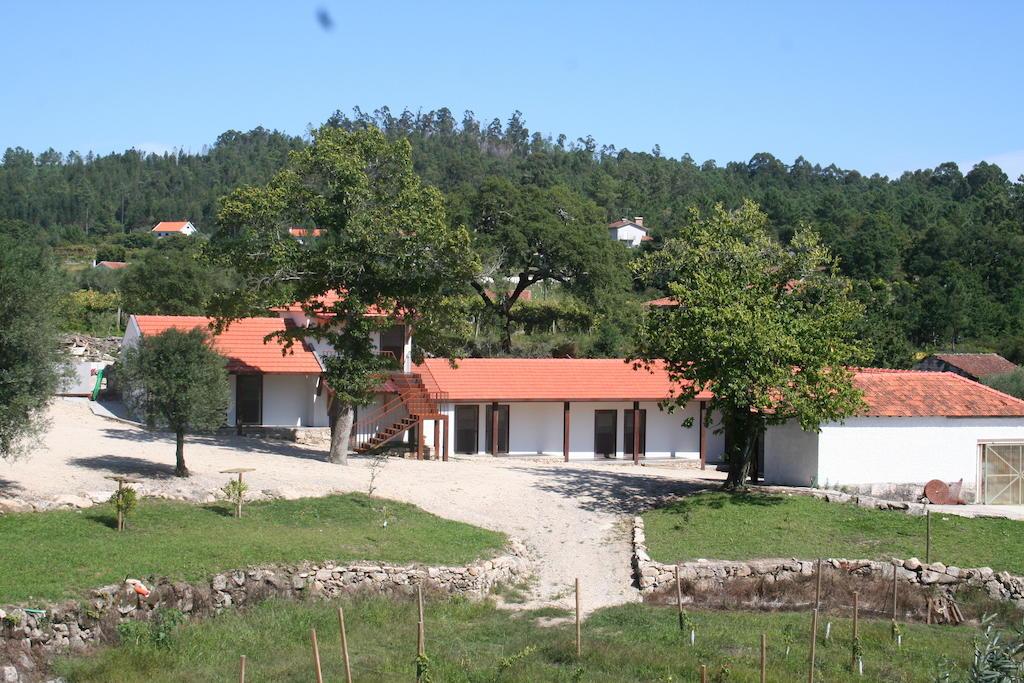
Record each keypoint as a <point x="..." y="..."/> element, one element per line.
<point x="242" y="343"/>
<point x="978" y="364"/>
<point x="916" y="393"/>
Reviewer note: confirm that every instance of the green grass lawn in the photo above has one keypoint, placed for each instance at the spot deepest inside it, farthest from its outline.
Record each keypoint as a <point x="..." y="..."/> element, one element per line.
<point x="50" y="555"/>
<point x="476" y="642"/>
<point x="726" y="526"/>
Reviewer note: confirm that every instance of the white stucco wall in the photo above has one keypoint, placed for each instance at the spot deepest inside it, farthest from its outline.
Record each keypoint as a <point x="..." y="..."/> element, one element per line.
<point x="884" y="450"/>
<point x="790" y="455"/>
<point x="871" y="450"/>
<point x="536" y="428"/>
<point x="288" y="401"/>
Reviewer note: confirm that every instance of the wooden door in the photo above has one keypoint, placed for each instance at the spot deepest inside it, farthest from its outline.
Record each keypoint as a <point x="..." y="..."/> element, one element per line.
<point x="467" y="429"/>
<point x="605" y="428"/>
<point x="248" y="399"/>
<point x="627" y="433"/>
<point x="502" y="429"/>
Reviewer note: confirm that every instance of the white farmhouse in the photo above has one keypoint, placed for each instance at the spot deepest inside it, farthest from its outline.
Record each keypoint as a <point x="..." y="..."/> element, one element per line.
<point x="918" y="426"/>
<point x="168" y="228"/>
<point x="629" y="232"/>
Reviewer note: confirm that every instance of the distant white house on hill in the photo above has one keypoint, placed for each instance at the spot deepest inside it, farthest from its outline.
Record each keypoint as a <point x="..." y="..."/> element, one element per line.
<point x="168" y="228"/>
<point x="629" y="232"/>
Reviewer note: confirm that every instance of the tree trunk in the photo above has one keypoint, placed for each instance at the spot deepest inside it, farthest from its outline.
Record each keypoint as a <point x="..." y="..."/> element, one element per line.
<point x="341" y="432"/>
<point x="179" y="454"/>
<point x="745" y="435"/>
<point x="506" y="338"/>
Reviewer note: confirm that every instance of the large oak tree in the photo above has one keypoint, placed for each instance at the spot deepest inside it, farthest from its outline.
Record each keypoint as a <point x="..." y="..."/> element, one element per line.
<point x="386" y="247"/>
<point x="769" y="328"/>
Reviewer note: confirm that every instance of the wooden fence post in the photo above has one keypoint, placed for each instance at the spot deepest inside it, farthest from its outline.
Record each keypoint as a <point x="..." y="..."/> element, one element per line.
<point x="927" y="536"/>
<point x="241" y="669"/>
<point x="421" y="636"/>
<point x="679" y="599"/>
<point x="703" y="673"/>
<point x="895" y="577"/>
<point x="316" y="658"/>
<point x="814" y="643"/>
<point x="817" y="586"/>
<point x="764" y="658"/>
<point x="856" y="634"/>
<point x="344" y="645"/>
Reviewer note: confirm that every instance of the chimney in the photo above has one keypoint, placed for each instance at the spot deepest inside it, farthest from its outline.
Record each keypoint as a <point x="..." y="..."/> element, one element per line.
<point x="639" y="220"/>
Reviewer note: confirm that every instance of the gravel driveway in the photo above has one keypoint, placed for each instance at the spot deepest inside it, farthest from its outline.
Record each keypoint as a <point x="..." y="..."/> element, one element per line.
<point x="573" y="515"/>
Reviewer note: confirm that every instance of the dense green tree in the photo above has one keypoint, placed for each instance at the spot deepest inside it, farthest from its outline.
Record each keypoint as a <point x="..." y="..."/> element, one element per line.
<point x="174" y="278"/>
<point x="31" y="360"/>
<point x="527" y="235"/>
<point x="1011" y="383"/>
<point x="176" y="380"/>
<point x="768" y="328"/>
<point x="387" y="247"/>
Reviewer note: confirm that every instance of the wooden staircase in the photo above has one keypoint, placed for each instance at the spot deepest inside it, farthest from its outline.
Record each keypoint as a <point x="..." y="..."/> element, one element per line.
<point x="412" y="404"/>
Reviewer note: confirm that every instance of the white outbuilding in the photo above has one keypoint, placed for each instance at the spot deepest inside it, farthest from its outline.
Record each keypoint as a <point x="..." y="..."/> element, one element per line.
<point x="918" y="426"/>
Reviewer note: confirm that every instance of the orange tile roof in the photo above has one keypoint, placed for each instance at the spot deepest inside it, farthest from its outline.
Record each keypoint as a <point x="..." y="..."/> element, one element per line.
<point x="169" y="226"/>
<point x="304" y="232"/>
<point x="888" y="393"/>
<point x="326" y="300"/>
<point x="663" y="302"/>
<point x="624" y="222"/>
<point x="545" y="379"/>
<point x="917" y="393"/>
<point x="978" y="364"/>
<point x="242" y="343"/>
<point x="113" y="265"/>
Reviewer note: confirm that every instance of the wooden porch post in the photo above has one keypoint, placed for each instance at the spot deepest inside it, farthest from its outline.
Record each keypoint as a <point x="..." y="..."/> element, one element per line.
<point x="419" y="439"/>
<point x="701" y="436"/>
<point x="636" y="432"/>
<point x="565" y="431"/>
<point x="494" y="428"/>
<point x="437" y="438"/>
<point x="444" y="447"/>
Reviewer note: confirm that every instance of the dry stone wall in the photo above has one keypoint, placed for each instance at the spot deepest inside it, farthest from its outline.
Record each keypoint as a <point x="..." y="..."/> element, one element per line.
<point x="712" y="575"/>
<point x="28" y="638"/>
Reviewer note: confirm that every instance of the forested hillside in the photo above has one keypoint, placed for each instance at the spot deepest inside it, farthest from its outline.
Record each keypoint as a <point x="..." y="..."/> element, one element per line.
<point x="938" y="253"/>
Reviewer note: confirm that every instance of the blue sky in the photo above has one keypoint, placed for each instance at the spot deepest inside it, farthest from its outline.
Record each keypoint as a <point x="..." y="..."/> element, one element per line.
<point x="876" y="86"/>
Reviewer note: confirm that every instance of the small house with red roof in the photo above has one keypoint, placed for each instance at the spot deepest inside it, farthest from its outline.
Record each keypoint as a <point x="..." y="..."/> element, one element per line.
<point x="916" y="426"/>
<point x="629" y="232"/>
<point x="169" y="228"/>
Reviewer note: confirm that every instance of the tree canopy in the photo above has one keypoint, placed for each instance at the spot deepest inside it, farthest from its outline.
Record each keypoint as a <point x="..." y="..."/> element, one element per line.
<point x="768" y="329"/>
<point x="173" y="278"/>
<point x="176" y="380"/>
<point x="31" y="360"/>
<point x="387" y="255"/>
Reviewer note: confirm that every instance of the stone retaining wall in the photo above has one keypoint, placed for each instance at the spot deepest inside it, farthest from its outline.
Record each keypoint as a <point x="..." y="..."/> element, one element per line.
<point x="712" y="575"/>
<point x="860" y="500"/>
<point x="28" y="639"/>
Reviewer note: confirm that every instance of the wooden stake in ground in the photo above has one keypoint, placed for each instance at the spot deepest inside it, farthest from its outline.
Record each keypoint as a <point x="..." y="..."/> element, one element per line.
<point x="239" y="471"/>
<point x="421" y="636"/>
<point x="927" y="536"/>
<point x="316" y="657"/>
<point x="579" y="641"/>
<point x="241" y="670"/>
<point x="895" y="578"/>
<point x="817" y="586"/>
<point x="344" y="645"/>
<point x="679" y="599"/>
<point x="121" y="481"/>
<point x="764" y="658"/>
<point x="814" y="643"/>
<point x="703" y="673"/>
<point x="856" y="634"/>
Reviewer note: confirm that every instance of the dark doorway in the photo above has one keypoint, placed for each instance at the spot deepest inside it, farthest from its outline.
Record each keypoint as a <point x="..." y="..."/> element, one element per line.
<point x="502" y="429"/>
<point x="248" y="399"/>
<point x="627" y="433"/>
<point x="392" y="343"/>
<point x="467" y="429"/>
<point x="605" y="428"/>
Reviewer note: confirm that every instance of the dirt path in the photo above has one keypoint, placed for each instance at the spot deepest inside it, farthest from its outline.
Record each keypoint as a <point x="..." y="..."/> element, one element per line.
<point x="573" y="515"/>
